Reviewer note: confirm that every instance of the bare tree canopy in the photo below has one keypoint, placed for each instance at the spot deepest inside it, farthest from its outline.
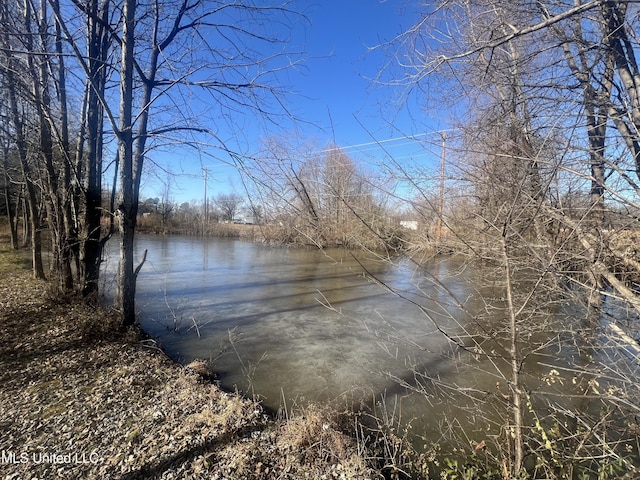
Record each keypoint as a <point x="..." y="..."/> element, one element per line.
<point x="133" y="66"/>
<point x="542" y="179"/>
<point x="229" y="205"/>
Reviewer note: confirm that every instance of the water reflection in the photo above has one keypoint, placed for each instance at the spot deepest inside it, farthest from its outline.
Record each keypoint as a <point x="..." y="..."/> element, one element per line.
<point x="310" y="325"/>
<point x="302" y="321"/>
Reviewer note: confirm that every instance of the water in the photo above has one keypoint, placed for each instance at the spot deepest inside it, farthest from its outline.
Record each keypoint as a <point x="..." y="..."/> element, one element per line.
<point x="305" y="322"/>
<point x="294" y="325"/>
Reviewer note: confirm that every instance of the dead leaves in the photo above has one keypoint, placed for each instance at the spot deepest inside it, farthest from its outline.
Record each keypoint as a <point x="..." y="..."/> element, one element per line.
<point x="130" y="412"/>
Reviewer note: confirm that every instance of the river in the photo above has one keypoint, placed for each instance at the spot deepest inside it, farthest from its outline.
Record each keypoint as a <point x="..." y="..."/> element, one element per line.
<point x="294" y="325"/>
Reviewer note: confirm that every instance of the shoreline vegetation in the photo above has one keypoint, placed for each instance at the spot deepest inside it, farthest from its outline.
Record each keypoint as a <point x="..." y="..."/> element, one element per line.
<point x="389" y="238"/>
<point x="81" y="401"/>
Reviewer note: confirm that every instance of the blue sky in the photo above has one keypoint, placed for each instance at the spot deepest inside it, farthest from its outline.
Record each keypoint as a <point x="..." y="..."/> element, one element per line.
<point x="333" y="95"/>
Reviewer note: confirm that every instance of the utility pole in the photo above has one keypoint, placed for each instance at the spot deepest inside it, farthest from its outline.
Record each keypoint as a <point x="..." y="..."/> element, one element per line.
<point x="206" y="209"/>
<point x="441" y="197"/>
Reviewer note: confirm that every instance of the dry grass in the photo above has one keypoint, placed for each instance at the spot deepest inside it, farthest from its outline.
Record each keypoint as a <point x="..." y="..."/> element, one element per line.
<point x="315" y="435"/>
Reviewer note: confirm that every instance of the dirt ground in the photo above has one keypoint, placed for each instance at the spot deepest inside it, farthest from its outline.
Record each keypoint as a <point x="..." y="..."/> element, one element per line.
<point x="77" y="401"/>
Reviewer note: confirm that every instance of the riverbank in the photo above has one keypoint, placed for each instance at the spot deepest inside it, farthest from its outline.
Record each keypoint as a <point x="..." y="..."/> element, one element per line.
<point x="79" y="401"/>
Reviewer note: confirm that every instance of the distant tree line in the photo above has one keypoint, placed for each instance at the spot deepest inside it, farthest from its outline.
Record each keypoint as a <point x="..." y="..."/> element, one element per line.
<point x="324" y="201"/>
<point x="192" y="218"/>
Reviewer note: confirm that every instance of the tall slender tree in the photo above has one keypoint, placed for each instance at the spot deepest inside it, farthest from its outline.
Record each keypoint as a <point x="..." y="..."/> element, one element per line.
<point x="11" y="67"/>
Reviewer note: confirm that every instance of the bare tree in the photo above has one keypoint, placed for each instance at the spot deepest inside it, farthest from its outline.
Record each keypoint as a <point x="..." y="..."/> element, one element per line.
<point x="166" y="205"/>
<point x="539" y="81"/>
<point x="69" y="177"/>
<point x="321" y="196"/>
<point x="229" y="205"/>
<point x="8" y="191"/>
<point x="11" y="67"/>
<point x="88" y="157"/>
<point x="147" y="50"/>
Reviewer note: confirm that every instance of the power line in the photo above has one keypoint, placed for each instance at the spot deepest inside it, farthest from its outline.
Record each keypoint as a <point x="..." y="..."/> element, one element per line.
<point x="378" y="142"/>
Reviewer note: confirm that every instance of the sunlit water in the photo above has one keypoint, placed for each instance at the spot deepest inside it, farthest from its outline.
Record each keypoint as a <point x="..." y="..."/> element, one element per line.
<point x="294" y="325"/>
<point x="307" y="322"/>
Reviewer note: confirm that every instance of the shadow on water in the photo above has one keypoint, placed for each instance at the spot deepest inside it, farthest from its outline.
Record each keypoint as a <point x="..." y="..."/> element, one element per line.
<point x="303" y="325"/>
<point x="303" y="321"/>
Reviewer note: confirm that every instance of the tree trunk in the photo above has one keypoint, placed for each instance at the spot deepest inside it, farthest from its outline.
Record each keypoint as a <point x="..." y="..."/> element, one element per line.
<point x="126" y="284"/>
<point x="127" y="210"/>
<point x="626" y="118"/>
<point x="61" y="266"/>
<point x="7" y="200"/>
<point x="67" y="187"/>
<point x="91" y="245"/>
<point x="21" y="147"/>
<point x="514" y="356"/>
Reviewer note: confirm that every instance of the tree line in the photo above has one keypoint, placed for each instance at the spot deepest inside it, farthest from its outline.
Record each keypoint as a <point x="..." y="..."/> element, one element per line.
<point x="89" y="90"/>
<point x="297" y="195"/>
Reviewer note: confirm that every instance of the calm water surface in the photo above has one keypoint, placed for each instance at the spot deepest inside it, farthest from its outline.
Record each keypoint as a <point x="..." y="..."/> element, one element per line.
<point x="306" y="321"/>
<point x="297" y="325"/>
